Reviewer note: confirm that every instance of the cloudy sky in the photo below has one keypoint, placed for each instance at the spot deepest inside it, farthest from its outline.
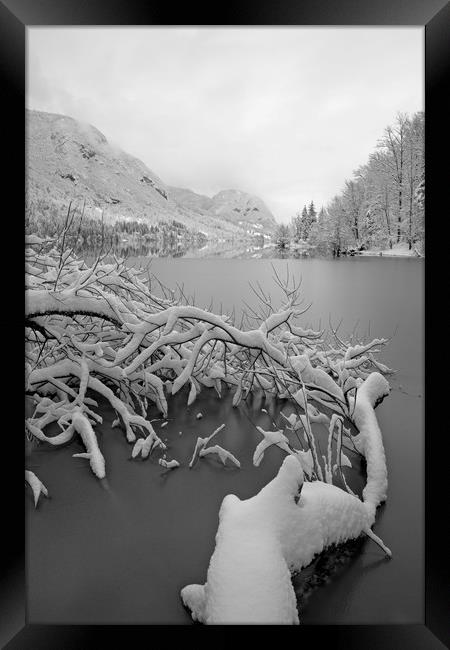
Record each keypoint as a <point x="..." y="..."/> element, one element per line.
<point x="283" y="113"/>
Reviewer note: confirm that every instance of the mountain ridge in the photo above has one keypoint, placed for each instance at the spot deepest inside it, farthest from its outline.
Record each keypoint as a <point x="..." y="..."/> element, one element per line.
<point x="69" y="160"/>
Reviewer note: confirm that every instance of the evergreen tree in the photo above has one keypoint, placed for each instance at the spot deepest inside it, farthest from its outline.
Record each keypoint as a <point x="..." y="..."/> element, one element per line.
<point x="297" y="228"/>
<point x="305" y="224"/>
<point x="312" y="214"/>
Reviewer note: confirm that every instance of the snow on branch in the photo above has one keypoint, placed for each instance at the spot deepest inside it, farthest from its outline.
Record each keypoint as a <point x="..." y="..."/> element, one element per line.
<point x="270" y="438"/>
<point x="93" y="454"/>
<point x="202" y="450"/>
<point x="169" y="464"/>
<point x="101" y="330"/>
<point x="221" y="452"/>
<point x="36" y="485"/>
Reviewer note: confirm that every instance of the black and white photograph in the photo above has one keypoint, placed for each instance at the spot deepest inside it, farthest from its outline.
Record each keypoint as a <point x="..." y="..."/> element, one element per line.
<point x="225" y="255"/>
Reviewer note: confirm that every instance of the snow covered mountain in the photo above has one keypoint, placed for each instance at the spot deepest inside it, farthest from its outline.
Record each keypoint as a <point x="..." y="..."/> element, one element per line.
<point x="247" y="211"/>
<point x="69" y="160"/>
<point x="242" y="208"/>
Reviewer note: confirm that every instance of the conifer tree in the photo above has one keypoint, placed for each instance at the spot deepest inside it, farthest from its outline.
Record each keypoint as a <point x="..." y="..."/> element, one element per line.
<point x="312" y="214"/>
<point x="305" y="223"/>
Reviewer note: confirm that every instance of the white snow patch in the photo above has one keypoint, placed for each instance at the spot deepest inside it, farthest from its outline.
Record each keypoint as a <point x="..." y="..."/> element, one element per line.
<point x="169" y="464"/>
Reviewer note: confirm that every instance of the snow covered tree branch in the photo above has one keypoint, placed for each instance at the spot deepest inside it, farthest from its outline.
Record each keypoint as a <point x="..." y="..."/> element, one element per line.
<point x="110" y="332"/>
<point x="102" y="328"/>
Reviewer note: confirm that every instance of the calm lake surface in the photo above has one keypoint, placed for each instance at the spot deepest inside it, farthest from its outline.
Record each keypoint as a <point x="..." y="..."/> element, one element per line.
<point x="120" y="550"/>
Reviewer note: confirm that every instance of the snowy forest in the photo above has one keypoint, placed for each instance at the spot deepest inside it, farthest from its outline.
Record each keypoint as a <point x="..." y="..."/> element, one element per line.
<point x="91" y="234"/>
<point x="383" y="204"/>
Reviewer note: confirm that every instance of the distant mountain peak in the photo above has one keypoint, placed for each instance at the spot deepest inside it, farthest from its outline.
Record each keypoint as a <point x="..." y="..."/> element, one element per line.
<point x="240" y="206"/>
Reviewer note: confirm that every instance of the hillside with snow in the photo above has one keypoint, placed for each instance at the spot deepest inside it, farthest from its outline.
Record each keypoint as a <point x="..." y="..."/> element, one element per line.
<point x="68" y="161"/>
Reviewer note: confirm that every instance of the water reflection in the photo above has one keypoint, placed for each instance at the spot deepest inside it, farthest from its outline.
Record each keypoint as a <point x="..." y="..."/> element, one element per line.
<point x="234" y="248"/>
<point x="142" y="248"/>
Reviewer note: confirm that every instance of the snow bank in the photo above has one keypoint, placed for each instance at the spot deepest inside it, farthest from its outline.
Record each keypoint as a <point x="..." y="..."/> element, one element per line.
<point x="398" y="250"/>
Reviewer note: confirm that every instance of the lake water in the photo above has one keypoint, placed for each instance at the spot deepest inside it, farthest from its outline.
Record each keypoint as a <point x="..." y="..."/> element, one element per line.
<point x="120" y="550"/>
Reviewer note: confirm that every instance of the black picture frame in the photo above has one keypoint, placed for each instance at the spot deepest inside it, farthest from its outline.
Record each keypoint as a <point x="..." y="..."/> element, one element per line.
<point x="15" y="16"/>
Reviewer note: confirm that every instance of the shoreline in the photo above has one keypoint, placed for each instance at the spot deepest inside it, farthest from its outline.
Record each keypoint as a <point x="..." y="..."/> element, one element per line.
<point x="391" y="253"/>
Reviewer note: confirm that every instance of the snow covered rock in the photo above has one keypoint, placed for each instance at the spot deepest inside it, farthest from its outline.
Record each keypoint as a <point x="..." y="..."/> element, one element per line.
<point x="261" y="540"/>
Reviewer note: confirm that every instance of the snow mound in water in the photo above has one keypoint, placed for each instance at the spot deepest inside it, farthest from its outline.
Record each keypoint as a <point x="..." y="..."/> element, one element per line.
<point x="261" y="540"/>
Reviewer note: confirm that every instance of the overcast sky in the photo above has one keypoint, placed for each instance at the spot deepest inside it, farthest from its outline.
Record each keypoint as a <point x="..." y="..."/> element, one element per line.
<point x="283" y="113"/>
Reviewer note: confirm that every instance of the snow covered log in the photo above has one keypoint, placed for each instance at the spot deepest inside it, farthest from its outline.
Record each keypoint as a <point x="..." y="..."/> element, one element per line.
<point x="369" y="441"/>
<point x="262" y="540"/>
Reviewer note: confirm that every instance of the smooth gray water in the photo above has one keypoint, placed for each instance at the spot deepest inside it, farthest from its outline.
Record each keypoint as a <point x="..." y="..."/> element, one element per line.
<point x="119" y="550"/>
